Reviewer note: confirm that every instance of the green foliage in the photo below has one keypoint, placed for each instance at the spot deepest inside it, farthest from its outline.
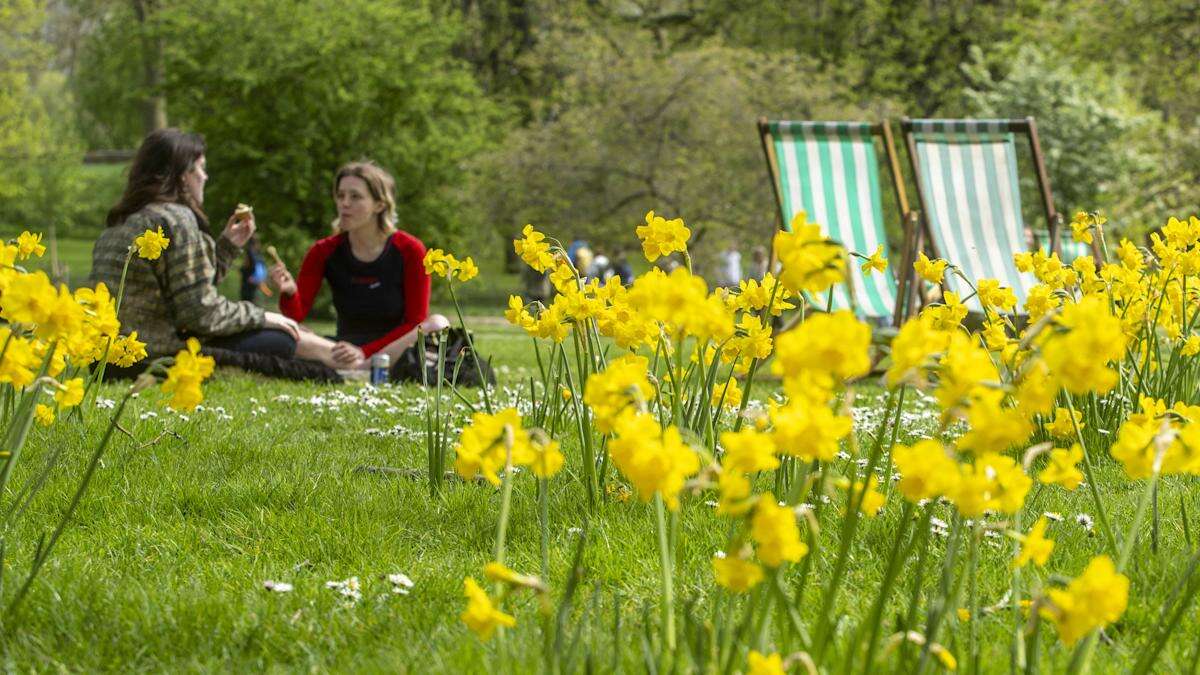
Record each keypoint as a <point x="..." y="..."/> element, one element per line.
<point x="108" y="78"/>
<point x="1100" y="145"/>
<point x="39" y="153"/>
<point x="635" y="132"/>
<point x="284" y="95"/>
<point x="904" y="50"/>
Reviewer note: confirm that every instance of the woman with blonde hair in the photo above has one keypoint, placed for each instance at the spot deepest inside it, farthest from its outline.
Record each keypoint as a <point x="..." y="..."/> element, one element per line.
<point x="376" y="272"/>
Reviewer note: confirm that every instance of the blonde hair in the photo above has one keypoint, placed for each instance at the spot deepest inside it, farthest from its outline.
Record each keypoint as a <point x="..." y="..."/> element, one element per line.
<point x="381" y="186"/>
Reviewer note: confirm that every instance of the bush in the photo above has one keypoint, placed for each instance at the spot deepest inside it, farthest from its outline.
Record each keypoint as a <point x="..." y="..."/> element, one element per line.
<point x="674" y="133"/>
<point x="286" y="92"/>
<point x="1103" y="151"/>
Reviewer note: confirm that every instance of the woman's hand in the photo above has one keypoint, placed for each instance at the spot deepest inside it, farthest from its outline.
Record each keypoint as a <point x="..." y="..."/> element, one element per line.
<point x="278" y="321"/>
<point x="239" y="229"/>
<point x="282" y="279"/>
<point x="348" y="356"/>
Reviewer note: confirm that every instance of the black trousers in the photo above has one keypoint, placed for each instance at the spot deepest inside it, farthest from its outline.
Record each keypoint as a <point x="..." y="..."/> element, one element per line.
<point x="265" y="351"/>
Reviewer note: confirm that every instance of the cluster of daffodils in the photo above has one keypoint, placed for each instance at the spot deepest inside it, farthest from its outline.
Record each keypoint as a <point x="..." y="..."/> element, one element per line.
<point x="54" y="348"/>
<point x="56" y="340"/>
<point x="53" y="336"/>
<point x="655" y="377"/>
<point x="493" y="443"/>
<point x="442" y="264"/>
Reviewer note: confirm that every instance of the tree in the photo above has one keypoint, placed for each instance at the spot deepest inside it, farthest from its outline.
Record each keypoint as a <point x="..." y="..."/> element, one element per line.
<point x="1103" y="150"/>
<point x="676" y="134"/>
<point x="39" y="153"/>
<point x="286" y="92"/>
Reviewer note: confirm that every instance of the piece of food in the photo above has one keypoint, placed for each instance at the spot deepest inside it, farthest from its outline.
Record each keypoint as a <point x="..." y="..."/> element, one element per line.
<point x="243" y="211"/>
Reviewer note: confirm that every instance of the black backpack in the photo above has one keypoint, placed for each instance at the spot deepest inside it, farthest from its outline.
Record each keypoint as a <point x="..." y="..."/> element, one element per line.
<point x="462" y="366"/>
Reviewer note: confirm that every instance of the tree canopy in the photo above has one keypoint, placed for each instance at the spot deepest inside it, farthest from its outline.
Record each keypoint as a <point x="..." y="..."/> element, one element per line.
<point x="585" y="113"/>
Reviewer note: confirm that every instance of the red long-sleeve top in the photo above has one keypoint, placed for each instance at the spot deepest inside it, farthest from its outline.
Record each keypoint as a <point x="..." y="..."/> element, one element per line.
<point x="376" y="301"/>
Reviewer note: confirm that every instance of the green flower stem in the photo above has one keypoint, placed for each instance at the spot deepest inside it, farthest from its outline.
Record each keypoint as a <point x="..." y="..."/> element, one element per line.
<point x="741" y="417"/>
<point x="93" y="389"/>
<point x="1139" y="515"/>
<point x="887" y="483"/>
<point x="1015" y="592"/>
<point x="483" y="383"/>
<point x="505" y="503"/>
<point x="891" y="571"/>
<point x="18" y="430"/>
<point x="439" y="439"/>
<point x="814" y="540"/>
<point x="918" y="582"/>
<point x="947" y="593"/>
<point x="585" y="427"/>
<point x="1101" y="512"/>
<point x="973" y="595"/>
<point x="668" y="585"/>
<point x="850" y="523"/>
<point x="1182" y="597"/>
<point x="44" y="552"/>
<point x="544" y="524"/>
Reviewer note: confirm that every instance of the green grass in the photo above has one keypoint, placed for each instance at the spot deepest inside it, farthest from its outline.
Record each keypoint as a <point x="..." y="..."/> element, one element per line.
<point x="164" y="564"/>
<point x="163" y="567"/>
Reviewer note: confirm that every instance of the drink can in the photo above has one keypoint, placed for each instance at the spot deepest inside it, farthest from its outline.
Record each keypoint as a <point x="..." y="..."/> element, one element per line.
<point x="380" y="365"/>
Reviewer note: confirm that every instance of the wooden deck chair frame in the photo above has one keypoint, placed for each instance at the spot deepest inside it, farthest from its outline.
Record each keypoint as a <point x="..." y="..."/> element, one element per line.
<point x="905" y="285"/>
<point x="1027" y="127"/>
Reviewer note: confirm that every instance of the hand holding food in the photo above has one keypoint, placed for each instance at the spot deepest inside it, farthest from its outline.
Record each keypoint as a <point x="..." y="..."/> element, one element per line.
<point x="240" y="226"/>
<point x="281" y="278"/>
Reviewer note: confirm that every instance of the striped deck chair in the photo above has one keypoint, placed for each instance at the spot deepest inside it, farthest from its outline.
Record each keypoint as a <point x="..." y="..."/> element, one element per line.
<point x="966" y="174"/>
<point x="830" y="170"/>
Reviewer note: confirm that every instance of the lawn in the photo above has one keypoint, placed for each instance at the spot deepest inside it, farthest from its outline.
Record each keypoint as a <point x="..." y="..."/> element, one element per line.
<point x="165" y="564"/>
<point x="167" y="560"/>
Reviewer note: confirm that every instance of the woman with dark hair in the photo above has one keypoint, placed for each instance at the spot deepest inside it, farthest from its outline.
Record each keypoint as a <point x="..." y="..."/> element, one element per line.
<point x="376" y="272"/>
<point x="175" y="296"/>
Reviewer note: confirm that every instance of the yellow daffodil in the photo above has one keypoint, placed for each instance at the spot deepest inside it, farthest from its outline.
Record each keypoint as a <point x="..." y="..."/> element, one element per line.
<point x="876" y="262"/>
<point x="44" y="414"/>
<point x="764" y="664"/>
<point x="661" y="237"/>
<point x="1092" y="600"/>
<point x="29" y="244"/>
<point x="534" y="249"/>
<point x="775" y="534"/>
<point x="184" y="377"/>
<point x="930" y="270"/>
<point x="151" y="243"/>
<point x="70" y="394"/>
<point x="1035" y="547"/>
<point x="481" y="616"/>
<point x="736" y="574"/>
<point x="654" y="459"/>
<point x="811" y="261"/>
<point x="1063" y="468"/>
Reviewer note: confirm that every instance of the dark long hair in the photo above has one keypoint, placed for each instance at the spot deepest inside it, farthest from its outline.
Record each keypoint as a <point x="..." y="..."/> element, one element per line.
<point x="157" y="174"/>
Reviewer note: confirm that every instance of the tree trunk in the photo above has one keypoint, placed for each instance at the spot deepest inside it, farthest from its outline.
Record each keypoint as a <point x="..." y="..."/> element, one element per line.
<point x="154" y="108"/>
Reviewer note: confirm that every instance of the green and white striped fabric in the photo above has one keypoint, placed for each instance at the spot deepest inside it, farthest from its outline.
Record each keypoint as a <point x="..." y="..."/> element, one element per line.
<point x="1068" y="247"/>
<point x="1072" y="249"/>
<point x="967" y="174"/>
<point x="830" y="171"/>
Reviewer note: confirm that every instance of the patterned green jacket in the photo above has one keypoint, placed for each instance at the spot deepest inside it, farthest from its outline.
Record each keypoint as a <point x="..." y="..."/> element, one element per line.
<point x="168" y="299"/>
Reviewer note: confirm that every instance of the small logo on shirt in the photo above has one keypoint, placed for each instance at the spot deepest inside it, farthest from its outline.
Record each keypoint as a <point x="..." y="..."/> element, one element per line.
<point x="369" y="282"/>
